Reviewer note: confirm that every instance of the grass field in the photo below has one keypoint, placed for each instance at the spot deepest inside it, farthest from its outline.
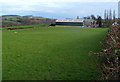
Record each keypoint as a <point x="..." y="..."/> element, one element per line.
<point x="0" y="55"/>
<point x="51" y="53"/>
<point x="24" y="26"/>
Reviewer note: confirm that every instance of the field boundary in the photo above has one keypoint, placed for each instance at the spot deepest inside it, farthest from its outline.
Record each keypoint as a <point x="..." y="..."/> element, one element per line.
<point x="109" y="58"/>
<point x="23" y="27"/>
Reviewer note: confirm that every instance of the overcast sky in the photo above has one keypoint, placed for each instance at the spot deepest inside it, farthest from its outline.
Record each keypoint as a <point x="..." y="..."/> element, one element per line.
<point x="57" y="8"/>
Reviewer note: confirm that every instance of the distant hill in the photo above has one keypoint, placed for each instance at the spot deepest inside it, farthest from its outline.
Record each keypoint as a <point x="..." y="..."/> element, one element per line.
<point x="17" y="20"/>
<point x="9" y="15"/>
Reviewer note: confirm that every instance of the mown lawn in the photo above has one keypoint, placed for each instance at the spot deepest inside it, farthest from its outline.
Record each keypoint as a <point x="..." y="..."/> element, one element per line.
<point x="51" y="53"/>
<point x="24" y="26"/>
<point x="0" y="55"/>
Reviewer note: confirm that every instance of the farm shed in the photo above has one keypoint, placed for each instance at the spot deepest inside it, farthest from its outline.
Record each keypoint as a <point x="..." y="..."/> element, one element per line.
<point x="89" y="22"/>
<point x="70" y="22"/>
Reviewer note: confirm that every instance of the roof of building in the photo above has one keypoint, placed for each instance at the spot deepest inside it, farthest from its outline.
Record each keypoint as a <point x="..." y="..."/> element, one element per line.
<point x="70" y="20"/>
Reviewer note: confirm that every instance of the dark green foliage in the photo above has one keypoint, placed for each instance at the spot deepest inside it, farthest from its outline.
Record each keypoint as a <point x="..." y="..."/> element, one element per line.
<point x="93" y="17"/>
<point x="99" y="21"/>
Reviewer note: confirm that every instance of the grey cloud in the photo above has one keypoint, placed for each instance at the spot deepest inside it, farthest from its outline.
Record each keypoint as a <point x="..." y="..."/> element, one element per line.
<point x="59" y="9"/>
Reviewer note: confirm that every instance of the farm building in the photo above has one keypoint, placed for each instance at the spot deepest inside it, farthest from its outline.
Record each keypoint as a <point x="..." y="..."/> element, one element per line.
<point x="70" y="22"/>
<point x="76" y="22"/>
<point x="89" y="23"/>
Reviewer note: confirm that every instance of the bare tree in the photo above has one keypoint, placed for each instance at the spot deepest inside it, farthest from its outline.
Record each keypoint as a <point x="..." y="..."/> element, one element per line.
<point x="78" y="17"/>
<point x="105" y="16"/>
<point x="110" y="18"/>
<point x="114" y="16"/>
<point x="110" y="14"/>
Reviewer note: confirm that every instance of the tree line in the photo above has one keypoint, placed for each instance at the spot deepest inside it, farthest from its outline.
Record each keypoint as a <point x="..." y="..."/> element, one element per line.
<point x="108" y="20"/>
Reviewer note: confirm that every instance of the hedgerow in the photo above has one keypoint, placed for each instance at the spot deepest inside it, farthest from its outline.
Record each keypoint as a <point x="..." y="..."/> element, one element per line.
<point x="109" y="57"/>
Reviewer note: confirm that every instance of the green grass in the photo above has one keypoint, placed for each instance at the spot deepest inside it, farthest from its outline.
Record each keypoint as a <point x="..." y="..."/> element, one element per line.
<point x="51" y="53"/>
<point x="24" y="26"/>
<point x="9" y="21"/>
<point x="0" y="55"/>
